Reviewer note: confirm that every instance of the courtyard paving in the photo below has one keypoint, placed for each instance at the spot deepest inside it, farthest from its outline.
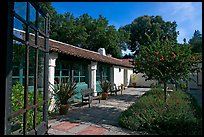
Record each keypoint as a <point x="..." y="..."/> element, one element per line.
<point x="100" y="119"/>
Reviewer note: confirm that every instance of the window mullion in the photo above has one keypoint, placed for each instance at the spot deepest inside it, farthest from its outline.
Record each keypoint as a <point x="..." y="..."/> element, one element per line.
<point x="26" y="74"/>
<point x="36" y="73"/>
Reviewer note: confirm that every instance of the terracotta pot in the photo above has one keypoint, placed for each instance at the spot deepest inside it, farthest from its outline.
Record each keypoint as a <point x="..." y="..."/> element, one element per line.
<point x="104" y="95"/>
<point x="63" y="109"/>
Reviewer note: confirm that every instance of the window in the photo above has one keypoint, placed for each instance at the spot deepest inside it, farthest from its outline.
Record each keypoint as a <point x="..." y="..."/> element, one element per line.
<point x="103" y="72"/>
<point x="29" y="71"/>
<point x="79" y="72"/>
<point x="62" y="71"/>
<point x="67" y="70"/>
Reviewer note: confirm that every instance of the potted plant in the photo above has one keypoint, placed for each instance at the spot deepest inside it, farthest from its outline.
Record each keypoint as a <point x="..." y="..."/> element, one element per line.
<point x="105" y="85"/>
<point x="63" y="91"/>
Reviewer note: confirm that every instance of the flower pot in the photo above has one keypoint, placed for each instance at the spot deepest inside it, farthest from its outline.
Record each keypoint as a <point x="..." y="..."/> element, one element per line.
<point x="104" y="95"/>
<point x="63" y="109"/>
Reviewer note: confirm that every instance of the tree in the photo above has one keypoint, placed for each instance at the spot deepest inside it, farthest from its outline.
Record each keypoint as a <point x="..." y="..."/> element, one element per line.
<point x="87" y="32"/>
<point x="196" y="42"/>
<point x="165" y="61"/>
<point x="154" y="26"/>
<point x="53" y="18"/>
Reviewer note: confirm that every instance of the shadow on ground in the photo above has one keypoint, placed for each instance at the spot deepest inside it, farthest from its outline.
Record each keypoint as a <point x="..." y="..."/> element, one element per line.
<point x="95" y="115"/>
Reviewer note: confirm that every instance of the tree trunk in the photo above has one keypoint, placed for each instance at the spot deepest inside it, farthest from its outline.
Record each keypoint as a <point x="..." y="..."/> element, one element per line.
<point x="165" y="95"/>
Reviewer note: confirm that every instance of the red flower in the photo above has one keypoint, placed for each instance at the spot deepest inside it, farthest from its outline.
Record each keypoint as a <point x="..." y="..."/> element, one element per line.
<point x="174" y="56"/>
<point x="157" y="52"/>
<point x="162" y="59"/>
<point x="177" y="103"/>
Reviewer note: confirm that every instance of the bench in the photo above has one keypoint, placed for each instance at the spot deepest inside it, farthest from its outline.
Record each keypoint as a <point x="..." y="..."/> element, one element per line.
<point x="114" y="89"/>
<point x="88" y="96"/>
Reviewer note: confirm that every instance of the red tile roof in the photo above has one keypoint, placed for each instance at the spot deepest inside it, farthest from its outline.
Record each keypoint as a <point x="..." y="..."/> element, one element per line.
<point x="68" y="49"/>
<point x="84" y="53"/>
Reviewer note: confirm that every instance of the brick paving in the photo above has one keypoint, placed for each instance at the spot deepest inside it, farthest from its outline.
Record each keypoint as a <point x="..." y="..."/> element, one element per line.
<point x="65" y="126"/>
<point x="100" y="119"/>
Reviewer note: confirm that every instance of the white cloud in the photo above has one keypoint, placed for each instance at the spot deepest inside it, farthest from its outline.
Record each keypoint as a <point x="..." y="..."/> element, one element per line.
<point x="188" y="16"/>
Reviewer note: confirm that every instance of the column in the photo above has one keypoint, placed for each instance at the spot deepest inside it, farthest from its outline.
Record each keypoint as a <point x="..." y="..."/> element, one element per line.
<point x="52" y="63"/>
<point x="93" y="69"/>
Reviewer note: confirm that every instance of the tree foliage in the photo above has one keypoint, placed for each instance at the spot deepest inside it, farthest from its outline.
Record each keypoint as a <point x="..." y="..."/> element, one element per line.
<point x="154" y="26"/>
<point x="196" y="42"/>
<point x="165" y="61"/>
<point x="87" y="32"/>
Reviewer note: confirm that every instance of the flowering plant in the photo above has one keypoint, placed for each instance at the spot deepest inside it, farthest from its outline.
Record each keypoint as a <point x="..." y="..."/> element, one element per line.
<point x="165" y="61"/>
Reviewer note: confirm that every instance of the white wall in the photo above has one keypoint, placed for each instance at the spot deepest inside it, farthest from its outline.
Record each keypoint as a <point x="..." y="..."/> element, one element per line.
<point x="141" y="81"/>
<point x="129" y="72"/>
<point x="118" y="76"/>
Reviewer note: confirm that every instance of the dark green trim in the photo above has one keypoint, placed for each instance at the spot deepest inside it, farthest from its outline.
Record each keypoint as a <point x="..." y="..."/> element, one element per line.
<point x="70" y="66"/>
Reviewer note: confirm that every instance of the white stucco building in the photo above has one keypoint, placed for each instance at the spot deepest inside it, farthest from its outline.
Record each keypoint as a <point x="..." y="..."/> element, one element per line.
<point x="86" y="67"/>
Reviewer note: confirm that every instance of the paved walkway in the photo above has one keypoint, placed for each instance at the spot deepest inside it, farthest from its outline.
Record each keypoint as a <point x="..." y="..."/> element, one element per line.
<point x="100" y="119"/>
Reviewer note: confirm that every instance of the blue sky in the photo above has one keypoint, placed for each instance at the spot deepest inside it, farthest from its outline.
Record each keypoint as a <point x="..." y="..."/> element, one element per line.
<point x="188" y="15"/>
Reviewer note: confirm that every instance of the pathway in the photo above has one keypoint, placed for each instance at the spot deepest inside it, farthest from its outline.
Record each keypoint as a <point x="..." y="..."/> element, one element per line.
<point x="100" y="119"/>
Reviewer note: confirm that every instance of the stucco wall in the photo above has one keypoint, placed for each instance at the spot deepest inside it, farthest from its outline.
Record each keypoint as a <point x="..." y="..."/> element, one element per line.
<point x="141" y="81"/>
<point x="129" y="72"/>
<point x="118" y="76"/>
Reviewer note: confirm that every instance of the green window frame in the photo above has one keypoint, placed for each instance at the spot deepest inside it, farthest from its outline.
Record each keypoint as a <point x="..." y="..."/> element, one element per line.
<point x="103" y="72"/>
<point x="60" y="68"/>
<point x="20" y="76"/>
<point x="80" y="72"/>
<point x="74" y="70"/>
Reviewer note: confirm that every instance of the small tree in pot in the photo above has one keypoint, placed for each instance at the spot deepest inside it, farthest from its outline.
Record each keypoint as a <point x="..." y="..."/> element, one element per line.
<point x="63" y="91"/>
<point x="105" y="86"/>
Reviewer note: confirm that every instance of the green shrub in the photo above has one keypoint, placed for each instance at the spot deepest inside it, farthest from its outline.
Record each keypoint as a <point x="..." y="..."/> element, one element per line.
<point x="18" y="103"/>
<point x="150" y="113"/>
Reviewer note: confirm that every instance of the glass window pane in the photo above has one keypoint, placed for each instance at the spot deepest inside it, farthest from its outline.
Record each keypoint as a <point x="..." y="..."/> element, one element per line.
<point x="15" y="81"/>
<point x="41" y="41"/>
<point x="57" y="80"/>
<point x="65" y="65"/>
<point x="16" y="71"/>
<point x="31" y="36"/>
<point x="76" y="69"/>
<point x="76" y="79"/>
<point x="82" y="70"/>
<point x="65" y="72"/>
<point x="19" y="29"/>
<point x="57" y="72"/>
<point x="41" y="20"/>
<point x="32" y="14"/>
<point x="18" y="60"/>
<point x="40" y="74"/>
<point x="31" y="75"/>
<point x="21" y="9"/>
<point x="82" y="79"/>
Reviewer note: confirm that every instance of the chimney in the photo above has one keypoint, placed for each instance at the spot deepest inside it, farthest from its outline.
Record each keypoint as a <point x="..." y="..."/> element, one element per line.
<point x="102" y="51"/>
